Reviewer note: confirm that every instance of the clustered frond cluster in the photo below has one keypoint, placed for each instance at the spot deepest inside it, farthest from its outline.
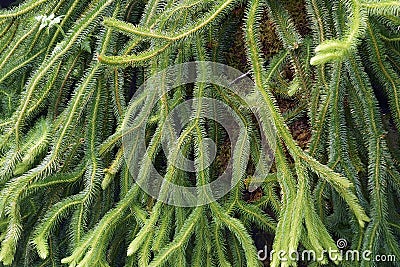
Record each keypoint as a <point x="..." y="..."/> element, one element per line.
<point x="68" y="71"/>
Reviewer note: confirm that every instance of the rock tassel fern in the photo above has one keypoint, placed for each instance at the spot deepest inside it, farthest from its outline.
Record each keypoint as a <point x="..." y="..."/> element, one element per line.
<point x="68" y="197"/>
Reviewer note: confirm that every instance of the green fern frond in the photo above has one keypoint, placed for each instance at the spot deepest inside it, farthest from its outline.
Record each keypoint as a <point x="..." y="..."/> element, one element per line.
<point x="71" y="72"/>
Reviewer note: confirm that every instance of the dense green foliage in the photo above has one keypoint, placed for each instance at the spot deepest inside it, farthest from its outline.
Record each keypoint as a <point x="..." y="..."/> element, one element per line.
<point x="67" y="196"/>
